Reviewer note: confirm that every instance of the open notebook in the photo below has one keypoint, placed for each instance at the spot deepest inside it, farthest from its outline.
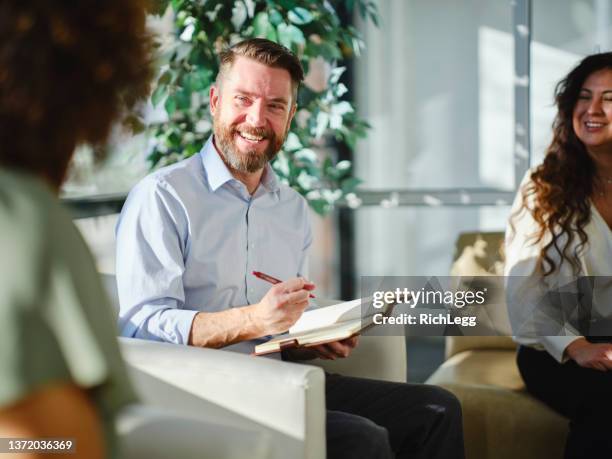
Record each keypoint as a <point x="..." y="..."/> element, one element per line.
<point x="324" y="325"/>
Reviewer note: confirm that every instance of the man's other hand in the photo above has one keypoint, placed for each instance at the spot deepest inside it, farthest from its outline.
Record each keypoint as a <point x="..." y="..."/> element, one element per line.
<point x="336" y="349"/>
<point x="283" y="305"/>
<point x="590" y="355"/>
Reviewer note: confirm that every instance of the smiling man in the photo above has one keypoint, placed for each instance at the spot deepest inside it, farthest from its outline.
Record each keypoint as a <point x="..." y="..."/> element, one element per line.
<point x="191" y="234"/>
<point x="253" y="118"/>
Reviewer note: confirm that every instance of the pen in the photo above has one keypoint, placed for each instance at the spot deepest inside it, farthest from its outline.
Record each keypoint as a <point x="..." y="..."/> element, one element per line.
<point x="272" y="280"/>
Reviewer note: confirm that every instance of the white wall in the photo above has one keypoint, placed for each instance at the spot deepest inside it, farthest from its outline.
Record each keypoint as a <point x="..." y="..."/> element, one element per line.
<point x="436" y="83"/>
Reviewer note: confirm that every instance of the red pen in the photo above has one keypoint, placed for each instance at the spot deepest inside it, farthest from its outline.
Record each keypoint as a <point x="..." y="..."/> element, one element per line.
<point x="272" y="280"/>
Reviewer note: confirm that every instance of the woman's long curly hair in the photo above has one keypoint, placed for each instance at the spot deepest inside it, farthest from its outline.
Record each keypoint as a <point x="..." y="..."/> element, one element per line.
<point x="559" y="193"/>
<point x="67" y="70"/>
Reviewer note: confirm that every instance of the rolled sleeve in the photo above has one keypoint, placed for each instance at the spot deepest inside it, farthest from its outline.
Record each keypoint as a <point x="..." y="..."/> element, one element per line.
<point x="151" y="240"/>
<point x="159" y="322"/>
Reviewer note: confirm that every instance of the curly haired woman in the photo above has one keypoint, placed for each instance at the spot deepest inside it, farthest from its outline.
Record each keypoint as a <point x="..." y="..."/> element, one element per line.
<point x="67" y="70"/>
<point x="559" y="262"/>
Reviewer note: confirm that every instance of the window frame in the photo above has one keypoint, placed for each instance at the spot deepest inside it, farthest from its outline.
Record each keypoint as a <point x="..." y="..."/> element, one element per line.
<point x="521" y="27"/>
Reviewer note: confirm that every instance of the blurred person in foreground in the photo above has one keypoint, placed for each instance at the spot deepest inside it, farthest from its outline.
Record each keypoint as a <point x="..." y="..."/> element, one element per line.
<point x="67" y="70"/>
<point x="559" y="262"/>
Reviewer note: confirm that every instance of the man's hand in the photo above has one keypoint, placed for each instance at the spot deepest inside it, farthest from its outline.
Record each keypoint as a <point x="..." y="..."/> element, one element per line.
<point x="278" y="310"/>
<point x="590" y="355"/>
<point x="336" y="349"/>
<point x="282" y="306"/>
<point x="327" y="351"/>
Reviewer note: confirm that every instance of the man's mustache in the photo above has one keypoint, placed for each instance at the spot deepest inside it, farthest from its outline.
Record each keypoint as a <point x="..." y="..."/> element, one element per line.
<point x="254" y="131"/>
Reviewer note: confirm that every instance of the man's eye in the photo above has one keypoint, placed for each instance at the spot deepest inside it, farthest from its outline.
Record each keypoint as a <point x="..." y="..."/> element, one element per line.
<point x="241" y="99"/>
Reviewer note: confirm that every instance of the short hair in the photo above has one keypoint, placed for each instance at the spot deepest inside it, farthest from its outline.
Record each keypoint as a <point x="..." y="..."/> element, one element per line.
<point x="265" y="52"/>
<point x="67" y="70"/>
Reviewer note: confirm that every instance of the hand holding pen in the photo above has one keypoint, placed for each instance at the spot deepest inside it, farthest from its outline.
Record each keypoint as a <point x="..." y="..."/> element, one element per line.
<point x="273" y="280"/>
<point x="282" y="305"/>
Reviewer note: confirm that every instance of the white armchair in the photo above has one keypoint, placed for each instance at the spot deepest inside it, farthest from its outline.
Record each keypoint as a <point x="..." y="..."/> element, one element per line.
<point x="283" y="401"/>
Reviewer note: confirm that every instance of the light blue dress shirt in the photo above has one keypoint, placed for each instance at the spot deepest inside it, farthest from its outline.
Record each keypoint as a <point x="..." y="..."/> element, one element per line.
<point x="189" y="237"/>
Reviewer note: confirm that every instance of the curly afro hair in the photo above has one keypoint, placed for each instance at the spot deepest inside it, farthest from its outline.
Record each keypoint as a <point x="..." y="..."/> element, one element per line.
<point x="68" y="69"/>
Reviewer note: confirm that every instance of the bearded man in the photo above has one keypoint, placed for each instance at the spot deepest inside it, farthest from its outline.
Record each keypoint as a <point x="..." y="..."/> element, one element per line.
<point x="191" y="234"/>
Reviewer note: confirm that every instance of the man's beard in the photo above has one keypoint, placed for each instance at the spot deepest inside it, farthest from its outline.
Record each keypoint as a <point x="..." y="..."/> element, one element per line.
<point x="251" y="160"/>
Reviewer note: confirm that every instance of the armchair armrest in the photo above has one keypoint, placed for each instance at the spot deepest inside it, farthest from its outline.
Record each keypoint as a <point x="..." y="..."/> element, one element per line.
<point x="150" y="432"/>
<point x="285" y="400"/>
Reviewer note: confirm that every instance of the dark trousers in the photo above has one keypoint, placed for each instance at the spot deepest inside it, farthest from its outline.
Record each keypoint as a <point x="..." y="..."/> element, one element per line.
<point x="581" y="394"/>
<point x="378" y="419"/>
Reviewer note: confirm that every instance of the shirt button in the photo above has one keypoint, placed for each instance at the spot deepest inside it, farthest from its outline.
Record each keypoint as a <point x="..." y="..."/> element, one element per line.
<point x="252" y="246"/>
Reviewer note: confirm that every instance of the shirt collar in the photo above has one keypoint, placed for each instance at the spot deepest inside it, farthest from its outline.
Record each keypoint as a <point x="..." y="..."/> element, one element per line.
<point x="218" y="173"/>
<point x="216" y="170"/>
<point x="269" y="180"/>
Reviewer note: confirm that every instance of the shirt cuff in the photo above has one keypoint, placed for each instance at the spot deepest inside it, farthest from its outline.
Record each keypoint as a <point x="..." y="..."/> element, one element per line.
<point x="179" y="321"/>
<point x="555" y="345"/>
<point x="168" y="325"/>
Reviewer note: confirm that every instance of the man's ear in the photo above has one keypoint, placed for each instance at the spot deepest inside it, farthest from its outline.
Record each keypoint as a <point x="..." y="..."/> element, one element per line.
<point x="213" y="96"/>
<point x="291" y="114"/>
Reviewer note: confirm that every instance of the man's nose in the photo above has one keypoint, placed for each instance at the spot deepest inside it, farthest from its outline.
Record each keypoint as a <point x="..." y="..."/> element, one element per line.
<point x="256" y="114"/>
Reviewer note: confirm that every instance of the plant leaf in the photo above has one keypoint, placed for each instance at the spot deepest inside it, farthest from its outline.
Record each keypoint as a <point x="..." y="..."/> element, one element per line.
<point x="261" y="24"/>
<point x="158" y="95"/>
<point x="300" y="16"/>
<point x="170" y="105"/>
<point x="275" y="17"/>
<point x="289" y="34"/>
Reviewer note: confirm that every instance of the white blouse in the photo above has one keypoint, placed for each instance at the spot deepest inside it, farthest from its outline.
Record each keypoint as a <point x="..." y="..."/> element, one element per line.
<point x="546" y="320"/>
